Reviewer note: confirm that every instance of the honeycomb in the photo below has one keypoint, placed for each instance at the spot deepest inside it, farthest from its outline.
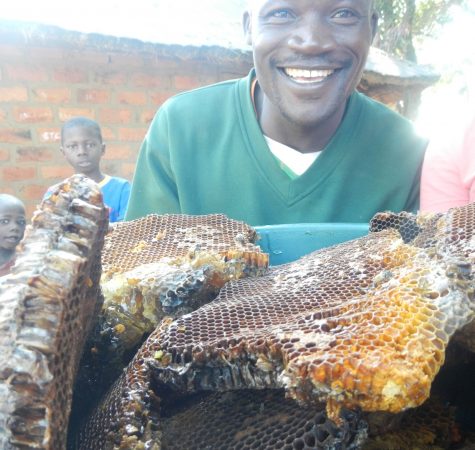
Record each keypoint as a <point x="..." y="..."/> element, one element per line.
<point x="361" y="325"/>
<point x="245" y="420"/>
<point x="432" y="426"/>
<point x="171" y="264"/>
<point x="46" y="308"/>
<point x="155" y="266"/>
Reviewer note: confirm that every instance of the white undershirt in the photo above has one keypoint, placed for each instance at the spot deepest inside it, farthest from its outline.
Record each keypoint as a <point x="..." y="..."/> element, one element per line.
<point x="296" y="161"/>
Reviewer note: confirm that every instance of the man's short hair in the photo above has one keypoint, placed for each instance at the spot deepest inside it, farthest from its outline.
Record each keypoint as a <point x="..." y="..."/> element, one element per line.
<point x="81" y="122"/>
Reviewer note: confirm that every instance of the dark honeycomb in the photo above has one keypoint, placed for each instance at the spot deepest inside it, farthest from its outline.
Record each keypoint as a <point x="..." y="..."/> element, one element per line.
<point x="363" y="324"/>
<point x="245" y="420"/>
<point x="156" y="266"/>
<point x="47" y="305"/>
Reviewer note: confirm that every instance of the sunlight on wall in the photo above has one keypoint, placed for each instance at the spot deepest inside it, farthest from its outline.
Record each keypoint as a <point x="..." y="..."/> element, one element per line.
<point x="447" y="106"/>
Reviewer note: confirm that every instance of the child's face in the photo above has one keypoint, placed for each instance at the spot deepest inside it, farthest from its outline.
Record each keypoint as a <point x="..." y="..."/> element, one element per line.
<point x="83" y="149"/>
<point x="12" y="225"/>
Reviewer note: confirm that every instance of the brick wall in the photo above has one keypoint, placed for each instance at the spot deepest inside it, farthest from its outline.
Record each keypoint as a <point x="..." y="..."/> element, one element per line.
<point x="46" y="79"/>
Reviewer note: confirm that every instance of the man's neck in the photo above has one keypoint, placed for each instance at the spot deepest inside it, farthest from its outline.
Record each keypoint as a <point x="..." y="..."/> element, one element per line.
<point x="304" y="140"/>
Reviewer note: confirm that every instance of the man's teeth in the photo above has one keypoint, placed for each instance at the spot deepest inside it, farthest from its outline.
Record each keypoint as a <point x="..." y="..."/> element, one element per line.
<point x="307" y="76"/>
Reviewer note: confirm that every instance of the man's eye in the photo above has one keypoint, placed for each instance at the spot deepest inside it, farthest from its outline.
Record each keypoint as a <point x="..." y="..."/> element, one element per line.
<point x="90" y="145"/>
<point x="4" y="221"/>
<point x="346" y="15"/>
<point x="279" y="15"/>
<point x="21" y="222"/>
<point x="72" y="147"/>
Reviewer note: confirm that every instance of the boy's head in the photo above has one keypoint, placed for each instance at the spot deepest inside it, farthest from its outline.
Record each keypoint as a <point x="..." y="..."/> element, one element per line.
<point x="12" y="222"/>
<point x="82" y="146"/>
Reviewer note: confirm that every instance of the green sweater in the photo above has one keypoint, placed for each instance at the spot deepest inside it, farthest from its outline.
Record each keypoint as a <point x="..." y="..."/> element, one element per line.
<point x="205" y="153"/>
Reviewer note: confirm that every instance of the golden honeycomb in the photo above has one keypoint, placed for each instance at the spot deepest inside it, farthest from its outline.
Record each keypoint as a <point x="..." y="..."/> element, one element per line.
<point x="156" y="266"/>
<point x="361" y="325"/>
<point x="47" y="305"/>
<point x="171" y="264"/>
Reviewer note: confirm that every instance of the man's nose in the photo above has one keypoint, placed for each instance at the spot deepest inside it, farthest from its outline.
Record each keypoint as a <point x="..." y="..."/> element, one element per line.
<point x="311" y="35"/>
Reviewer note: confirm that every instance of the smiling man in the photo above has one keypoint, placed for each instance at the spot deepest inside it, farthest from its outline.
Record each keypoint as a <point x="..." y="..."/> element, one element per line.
<point x="293" y="141"/>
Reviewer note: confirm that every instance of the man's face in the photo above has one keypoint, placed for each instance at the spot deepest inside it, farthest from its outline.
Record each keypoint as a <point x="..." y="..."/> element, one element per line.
<point x="309" y="55"/>
<point x="82" y="148"/>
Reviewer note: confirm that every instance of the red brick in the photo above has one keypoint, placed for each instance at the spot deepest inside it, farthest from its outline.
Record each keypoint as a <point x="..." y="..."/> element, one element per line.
<point x="110" y="115"/>
<point x="127" y="60"/>
<point x="93" y="96"/>
<point x="108" y="134"/>
<point x="157" y="98"/>
<point x="67" y="113"/>
<point x="10" y="190"/>
<point x="4" y="154"/>
<point x="3" y="114"/>
<point x="147" y="116"/>
<point x="35" y="192"/>
<point x="56" y="172"/>
<point x="14" y="136"/>
<point x="117" y="151"/>
<point x="70" y="75"/>
<point x="35" y="154"/>
<point x="128" y="170"/>
<point x="13" y="94"/>
<point x="147" y="80"/>
<point x="132" y="98"/>
<point x="184" y="82"/>
<point x="32" y="114"/>
<point x="110" y="78"/>
<point x="49" y="135"/>
<point x="30" y="208"/>
<point x="26" y="72"/>
<point x="18" y="173"/>
<point x="52" y="95"/>
<point x="132" y="134"/>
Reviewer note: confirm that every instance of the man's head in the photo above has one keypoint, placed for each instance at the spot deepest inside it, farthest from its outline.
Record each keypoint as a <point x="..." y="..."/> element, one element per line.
<point x="82" y="146"/>
<point x="12" y="222"/>
<point x="309" y="56"/>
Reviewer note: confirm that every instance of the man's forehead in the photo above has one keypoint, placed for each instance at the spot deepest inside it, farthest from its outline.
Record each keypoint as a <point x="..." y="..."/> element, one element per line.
<point x="252" y="4"/>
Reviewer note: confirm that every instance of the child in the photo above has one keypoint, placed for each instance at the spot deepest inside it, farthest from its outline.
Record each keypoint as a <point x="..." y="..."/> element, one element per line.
<point x="82" y="146"/>
<point x="448" y="173"/>
<point x="12" y="228"/>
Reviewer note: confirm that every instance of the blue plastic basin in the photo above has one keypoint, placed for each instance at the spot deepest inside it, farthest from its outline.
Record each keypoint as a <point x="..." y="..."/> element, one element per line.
<point x="286" y="243"/>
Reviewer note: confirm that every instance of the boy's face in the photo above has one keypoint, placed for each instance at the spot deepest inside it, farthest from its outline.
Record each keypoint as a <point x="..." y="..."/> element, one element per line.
<point x="83" y="149"/>
<point x="309" y="54"/>
<point x="12" y="225"/>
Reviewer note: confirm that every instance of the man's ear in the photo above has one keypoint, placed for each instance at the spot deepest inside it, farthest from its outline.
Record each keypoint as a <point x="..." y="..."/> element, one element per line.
<point x="61" y="149"/>
<point x="103" y="148"/>
<point x="374" y="24"/>
<point x="246" y="25"/>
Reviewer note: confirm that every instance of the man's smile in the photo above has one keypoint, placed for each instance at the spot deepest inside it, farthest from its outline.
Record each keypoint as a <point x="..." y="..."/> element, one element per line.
<point x="306" y="76"/>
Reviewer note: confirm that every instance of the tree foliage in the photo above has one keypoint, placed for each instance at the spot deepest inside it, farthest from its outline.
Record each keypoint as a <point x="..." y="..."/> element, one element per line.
<point x="402" y="21"/>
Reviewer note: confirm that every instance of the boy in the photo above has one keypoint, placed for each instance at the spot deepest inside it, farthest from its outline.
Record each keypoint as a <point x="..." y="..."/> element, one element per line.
<point x="82" y="146"/>
<point x="12" y="228"/>
<point x="291" y="142"/>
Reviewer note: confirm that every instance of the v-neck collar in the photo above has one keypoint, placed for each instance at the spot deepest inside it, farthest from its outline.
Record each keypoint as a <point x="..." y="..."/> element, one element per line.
<point x="291" y="191"/>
